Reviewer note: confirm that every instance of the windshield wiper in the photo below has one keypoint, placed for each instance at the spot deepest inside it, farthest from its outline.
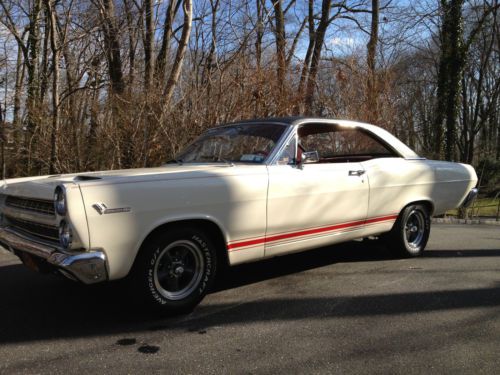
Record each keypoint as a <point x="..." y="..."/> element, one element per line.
<point x="228" y="162"/>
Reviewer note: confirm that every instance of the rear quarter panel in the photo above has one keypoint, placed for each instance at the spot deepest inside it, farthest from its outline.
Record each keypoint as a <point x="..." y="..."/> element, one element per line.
<point x="396" y="182"/>
<point x="453" y="183"/>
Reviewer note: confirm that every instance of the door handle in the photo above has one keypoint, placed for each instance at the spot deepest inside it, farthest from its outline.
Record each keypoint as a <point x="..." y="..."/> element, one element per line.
<point x="359" y="172"/>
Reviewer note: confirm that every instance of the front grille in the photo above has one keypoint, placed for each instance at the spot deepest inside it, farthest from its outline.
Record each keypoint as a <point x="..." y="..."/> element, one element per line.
<point x="43" y="207"/>
<point x="41" y="231"/>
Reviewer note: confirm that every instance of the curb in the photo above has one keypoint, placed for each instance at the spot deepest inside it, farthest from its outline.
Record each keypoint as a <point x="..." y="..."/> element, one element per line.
<point x="450" y="220"/>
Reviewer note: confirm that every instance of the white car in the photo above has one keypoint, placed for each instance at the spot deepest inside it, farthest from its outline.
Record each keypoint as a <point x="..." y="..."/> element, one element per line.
<point x="239" y="193"/>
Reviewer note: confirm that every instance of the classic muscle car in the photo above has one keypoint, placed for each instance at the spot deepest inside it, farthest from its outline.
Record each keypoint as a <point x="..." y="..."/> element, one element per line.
<point x="239" y="193"/>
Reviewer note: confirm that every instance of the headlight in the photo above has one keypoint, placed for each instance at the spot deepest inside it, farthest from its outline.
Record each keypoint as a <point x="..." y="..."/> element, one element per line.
<point x="60" y="201"/>
<point x="65" y="234"/>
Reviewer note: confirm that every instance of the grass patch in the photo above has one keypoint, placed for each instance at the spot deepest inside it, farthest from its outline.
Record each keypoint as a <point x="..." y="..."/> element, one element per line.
<point x="480" y="207"/>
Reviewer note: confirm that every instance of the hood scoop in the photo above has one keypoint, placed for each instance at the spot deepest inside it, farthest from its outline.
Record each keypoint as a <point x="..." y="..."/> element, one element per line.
<point x="87" y="178"/>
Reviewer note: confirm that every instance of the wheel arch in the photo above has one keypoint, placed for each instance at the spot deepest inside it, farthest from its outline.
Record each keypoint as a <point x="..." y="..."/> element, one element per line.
<point x="209" y="227"/>
<point x="425" y="202"/>
<point x="397" y="238"/>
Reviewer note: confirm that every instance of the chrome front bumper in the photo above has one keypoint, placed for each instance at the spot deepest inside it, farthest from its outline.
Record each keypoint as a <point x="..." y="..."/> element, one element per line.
<point x="89" y="267"/>
<point x="469" y="198"/>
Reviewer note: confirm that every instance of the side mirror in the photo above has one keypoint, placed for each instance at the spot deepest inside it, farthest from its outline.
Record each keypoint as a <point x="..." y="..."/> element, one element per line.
<point x="310" y="157"/>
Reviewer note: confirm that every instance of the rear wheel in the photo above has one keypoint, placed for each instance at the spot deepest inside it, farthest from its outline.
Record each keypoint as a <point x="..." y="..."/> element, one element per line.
<point x="174" y="270"/>
<point x="411" y="231"/>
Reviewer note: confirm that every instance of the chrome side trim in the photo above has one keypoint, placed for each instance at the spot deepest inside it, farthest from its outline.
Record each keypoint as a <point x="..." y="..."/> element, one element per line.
<point x="101" y="208"/>
<point x="470" y="198"/>
<point x="89" y="267"/>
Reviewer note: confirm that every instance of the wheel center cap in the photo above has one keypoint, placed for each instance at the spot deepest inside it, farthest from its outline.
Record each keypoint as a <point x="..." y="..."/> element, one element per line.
<point x="179" y="270"/>
<point x="413" y="229"/>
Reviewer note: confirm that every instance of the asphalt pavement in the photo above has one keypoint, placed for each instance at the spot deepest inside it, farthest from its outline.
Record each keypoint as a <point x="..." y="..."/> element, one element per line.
<point x="349" y="308"/>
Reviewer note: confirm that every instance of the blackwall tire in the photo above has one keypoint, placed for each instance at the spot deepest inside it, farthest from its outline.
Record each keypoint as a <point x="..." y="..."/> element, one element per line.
<point x="411" y="231"/>
<point x="175" y="270"/>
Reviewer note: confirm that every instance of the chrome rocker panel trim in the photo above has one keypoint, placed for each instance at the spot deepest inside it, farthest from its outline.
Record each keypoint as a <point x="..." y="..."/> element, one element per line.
<point x="88" y="267"/>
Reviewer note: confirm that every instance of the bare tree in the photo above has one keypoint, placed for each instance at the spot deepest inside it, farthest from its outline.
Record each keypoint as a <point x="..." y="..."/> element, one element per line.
<point x="126" y="83"/>
<point x="371" y="84"/>
<point x="54" y="43"/>
<point x="181" y="51"/>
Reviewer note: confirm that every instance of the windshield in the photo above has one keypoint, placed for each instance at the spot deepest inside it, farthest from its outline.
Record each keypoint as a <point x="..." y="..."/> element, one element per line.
<point x="246" y="143"/>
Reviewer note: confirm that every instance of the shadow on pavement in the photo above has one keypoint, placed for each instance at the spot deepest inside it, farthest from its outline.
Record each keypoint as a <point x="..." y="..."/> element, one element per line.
<point x="40" y="307"/>
<point x="462" y="253"/>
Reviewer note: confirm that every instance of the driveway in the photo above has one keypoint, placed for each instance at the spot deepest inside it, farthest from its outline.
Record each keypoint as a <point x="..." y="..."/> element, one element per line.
<point x="349" y="308"/>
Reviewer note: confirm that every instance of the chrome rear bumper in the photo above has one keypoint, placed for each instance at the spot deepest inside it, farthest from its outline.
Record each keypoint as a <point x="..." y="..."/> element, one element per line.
<point x="89" y="267"/>
<point x="470" y="198"/>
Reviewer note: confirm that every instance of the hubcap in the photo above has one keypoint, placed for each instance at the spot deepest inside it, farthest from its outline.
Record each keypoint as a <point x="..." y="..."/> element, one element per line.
<point x="178" y="269"/>
<point x="415" y="229"/>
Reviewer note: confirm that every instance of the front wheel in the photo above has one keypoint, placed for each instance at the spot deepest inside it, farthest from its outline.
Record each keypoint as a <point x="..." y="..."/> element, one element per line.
<point x="411" y="231"/>
<point x="174" y="270"/>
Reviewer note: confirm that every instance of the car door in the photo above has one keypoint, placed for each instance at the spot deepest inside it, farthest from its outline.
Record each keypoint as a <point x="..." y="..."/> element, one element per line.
<point x="314" y="202"/>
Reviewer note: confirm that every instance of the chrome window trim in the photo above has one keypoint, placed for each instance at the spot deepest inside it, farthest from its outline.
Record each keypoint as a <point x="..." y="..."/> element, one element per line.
<point x="282" y="143"/>
<point x="299" y="122"/>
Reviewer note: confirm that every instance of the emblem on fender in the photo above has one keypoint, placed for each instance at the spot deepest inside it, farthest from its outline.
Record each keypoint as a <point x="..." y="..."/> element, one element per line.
<point x="103" y="209"/>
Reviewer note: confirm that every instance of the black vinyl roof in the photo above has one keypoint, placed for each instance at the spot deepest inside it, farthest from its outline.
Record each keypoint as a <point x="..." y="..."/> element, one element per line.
<point x="290" y="120"/>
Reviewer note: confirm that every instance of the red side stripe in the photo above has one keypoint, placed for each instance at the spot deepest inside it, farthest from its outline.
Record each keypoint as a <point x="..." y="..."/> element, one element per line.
<point x="307" y="232"/>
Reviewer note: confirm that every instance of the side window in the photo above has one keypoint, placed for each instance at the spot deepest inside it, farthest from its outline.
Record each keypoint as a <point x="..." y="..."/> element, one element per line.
<point x="336" y="144"/>
<point x="288" y="154"/>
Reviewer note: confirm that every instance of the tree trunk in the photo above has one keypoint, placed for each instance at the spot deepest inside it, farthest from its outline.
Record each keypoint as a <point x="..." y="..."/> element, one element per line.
<point x="111" y="38"/>
<point x="50" y="7"/>
<point x="44" y="66"/>
<point x="181" y="51"/>
<point x="259" y="30"/>
<point x="451" y="65"/>
<point x="316" y="55"/>
<point x="498" y="141"/>
<point x="310" y="49"/>
<point x="18" y="89"/>
<point x="466" y="133"/>
<point x="113" y="55"/>
<point x="148" y="43"/>
<point x="32" y="104"/>
<point x="210" y="63"/>
<point x="132" y="43"/>
<point x="161" y="60"/>
<point x="371" y="84"/>
<point x="72" y="107"/>
<point x="2" y="142"/>
<point x="280" y="37"/>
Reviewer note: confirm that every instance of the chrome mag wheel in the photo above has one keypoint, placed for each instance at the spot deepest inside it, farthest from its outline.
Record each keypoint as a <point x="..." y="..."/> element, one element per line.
<point x="414" y="229"/>
<point x="408" y="237"/>
<point x="179" y="269"/>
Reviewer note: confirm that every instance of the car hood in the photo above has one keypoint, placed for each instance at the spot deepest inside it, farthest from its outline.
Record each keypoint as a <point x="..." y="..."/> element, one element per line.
<point x="42" y="187"/>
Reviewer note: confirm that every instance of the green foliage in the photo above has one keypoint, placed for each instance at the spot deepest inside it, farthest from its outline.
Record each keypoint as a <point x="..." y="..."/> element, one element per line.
<point x="482" y="207"/>
<point x="488" y="170"/>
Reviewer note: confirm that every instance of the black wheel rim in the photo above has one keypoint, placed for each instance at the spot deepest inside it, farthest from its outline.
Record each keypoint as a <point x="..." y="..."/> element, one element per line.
<point x="179" y="269"/>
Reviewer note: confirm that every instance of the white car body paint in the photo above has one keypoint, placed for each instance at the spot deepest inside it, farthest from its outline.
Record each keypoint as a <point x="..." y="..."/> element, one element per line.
<point x="262" y="210"/>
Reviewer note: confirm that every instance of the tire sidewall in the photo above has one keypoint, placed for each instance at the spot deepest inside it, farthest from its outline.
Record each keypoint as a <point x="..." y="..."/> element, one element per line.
<point x="408" y="250"/>
<point x="149" y="257"/>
